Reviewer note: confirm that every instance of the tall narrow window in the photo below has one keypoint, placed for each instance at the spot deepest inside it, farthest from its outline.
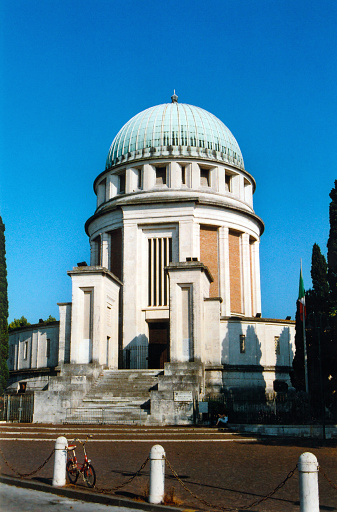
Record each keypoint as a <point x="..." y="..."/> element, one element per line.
<point x="97" y="242"/>
<point x="160" y="175"/>
<point x="228" y="183"/>
<point x="121" y="183"/>
<point x="48" y="348"/>
<point x="183" y="174"/>
<point x="101" y="192"/>
<point x="139" y="179"/>
<point x="108" y="315"/>
<point x="242" y="343"/>
<point x="160" y="255"/>
<point x="277" y="345"/>
<point x="25" y="349"/>
<point x="204" y="177"/>
<point x="187" y="340"/>
<point x="87" y="323"/>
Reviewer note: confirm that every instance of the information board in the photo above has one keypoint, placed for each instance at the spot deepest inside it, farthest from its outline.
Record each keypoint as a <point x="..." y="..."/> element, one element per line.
<point x="183" y="396"/>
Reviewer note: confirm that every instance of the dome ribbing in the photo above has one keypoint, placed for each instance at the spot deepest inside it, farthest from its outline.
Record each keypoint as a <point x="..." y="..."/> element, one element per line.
<point x="187" y="128"/>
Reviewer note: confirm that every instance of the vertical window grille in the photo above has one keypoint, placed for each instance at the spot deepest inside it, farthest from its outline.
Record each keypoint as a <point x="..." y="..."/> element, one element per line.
<point x="87" y="315"/>
<point x="48" y="348"/>
<point x="183" y="174"/>
<point x="242" y="343"/>
<point x="121" y="183"/>
<point x="277" y="345"/>
<point x="160" y="255"/>
<point x="25" y="349"/>
<point x="139" y="179"/>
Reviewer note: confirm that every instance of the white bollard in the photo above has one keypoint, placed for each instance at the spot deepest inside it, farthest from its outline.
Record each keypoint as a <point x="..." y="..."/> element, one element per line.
<point x="157" y="474"/>
<point x="60" y="462"/>
<point x="308" y="480"/>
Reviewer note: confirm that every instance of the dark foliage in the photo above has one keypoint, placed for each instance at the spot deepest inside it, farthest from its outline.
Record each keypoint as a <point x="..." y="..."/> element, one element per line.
<point x="18" y="322"/>
<point x="3" y="311"/>
<point x="321" y="325"/>
<point x="332" y="250"/>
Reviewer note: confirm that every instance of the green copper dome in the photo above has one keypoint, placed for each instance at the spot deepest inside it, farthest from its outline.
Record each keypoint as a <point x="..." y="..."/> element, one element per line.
<point x="175" y="129"/>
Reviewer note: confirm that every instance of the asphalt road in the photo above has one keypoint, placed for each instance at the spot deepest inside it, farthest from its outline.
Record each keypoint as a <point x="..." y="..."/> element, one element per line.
<point x="220" y="468"/>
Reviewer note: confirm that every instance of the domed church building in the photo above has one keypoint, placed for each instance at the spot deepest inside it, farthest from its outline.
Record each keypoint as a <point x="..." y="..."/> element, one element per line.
<point x="171" y="299"/>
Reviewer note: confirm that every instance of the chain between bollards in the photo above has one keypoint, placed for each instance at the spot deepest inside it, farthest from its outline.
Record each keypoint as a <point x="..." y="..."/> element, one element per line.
<point x="117" y="487"/>
<point x="25" y="475"/>
<point x="231" y="509"/>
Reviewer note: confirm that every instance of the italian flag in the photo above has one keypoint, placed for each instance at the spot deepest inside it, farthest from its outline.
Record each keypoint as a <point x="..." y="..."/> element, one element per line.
<point x="301" y="297"/>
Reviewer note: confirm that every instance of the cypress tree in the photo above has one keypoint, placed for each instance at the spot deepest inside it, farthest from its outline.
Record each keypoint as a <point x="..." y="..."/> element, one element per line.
<point x="331" y="346"/>
<point x="319" y="277"/>
<point x="3" y="311"/>
<point x="316" y="300"/>
<point x="332" y="250"/>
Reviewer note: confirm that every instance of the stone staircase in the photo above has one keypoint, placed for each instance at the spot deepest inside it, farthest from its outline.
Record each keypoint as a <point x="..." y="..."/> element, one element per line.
<point x="117" y="397"/>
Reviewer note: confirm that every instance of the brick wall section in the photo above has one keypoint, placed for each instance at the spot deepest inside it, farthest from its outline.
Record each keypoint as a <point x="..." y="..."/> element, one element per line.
<point x="209" y="255"/>
<point x="235" y="271"/>
<point x="116" y="253"/>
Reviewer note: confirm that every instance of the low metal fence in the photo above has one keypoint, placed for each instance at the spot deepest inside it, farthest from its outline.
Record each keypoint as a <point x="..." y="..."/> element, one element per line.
<point x="270" y="408"/>
<point x="136" y="357"/>
<point x="98" y="415"/>
<point x="18" y="408"/>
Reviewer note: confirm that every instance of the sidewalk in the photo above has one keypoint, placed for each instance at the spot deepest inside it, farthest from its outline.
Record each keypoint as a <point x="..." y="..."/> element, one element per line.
<point x="17" y="495"/>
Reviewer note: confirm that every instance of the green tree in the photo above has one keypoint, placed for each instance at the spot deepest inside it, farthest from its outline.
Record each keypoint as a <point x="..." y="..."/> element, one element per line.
<point x="317" y="301"/>
<point x="320" y="285"/>
<point x="50" y="319"/>
<point x="332" y="250"/>
<point x="3" y="311"/>
<point x="18" y="322"/>
<point x="331" y="347"/>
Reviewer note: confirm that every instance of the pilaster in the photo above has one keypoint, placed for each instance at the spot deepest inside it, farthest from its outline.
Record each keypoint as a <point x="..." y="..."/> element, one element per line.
<point x="255" y="248"/>
<point x="246" y="275"/>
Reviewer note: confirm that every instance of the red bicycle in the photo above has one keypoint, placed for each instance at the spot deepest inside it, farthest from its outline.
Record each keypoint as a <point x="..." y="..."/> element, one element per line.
<point x="74" y="468"/>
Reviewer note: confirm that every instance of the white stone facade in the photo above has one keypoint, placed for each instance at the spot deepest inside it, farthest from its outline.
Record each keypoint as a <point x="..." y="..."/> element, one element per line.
<point x="174" y="273"/>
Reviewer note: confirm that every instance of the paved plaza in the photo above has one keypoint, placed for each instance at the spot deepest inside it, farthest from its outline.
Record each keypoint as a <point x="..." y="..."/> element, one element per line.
<point x="215" y="467"/>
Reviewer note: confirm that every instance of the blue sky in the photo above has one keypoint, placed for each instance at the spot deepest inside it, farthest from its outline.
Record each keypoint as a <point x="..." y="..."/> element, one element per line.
<point x="75" y="71"/>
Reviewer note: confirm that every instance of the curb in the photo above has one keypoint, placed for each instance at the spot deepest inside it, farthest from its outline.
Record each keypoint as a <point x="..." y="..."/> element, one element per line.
<point x="90" y="497"/>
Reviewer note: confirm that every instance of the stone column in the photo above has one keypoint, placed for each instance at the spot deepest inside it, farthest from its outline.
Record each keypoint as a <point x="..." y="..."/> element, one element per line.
<point x="221" y="179"/>
<point x="195" y="175"/>
<point x="174" y="180"/>
<point x="246" y="274"/>
<point x="149" y="177"/>
<point x="105" y="250"/>
<point x="130" y="181"/>
<point x="93" y="253"/>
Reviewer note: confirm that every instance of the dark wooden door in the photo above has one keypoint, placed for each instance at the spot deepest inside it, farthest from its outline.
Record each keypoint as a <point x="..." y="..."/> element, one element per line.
<point x="158" y="344"/>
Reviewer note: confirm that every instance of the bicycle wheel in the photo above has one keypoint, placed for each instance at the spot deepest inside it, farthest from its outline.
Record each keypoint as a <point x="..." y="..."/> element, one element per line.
<point x="72" y="472"/>
<point x="89" y="475"/>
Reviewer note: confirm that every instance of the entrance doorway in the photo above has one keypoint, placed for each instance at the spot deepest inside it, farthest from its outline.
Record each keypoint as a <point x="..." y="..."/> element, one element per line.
<point x="158" y="344"/>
